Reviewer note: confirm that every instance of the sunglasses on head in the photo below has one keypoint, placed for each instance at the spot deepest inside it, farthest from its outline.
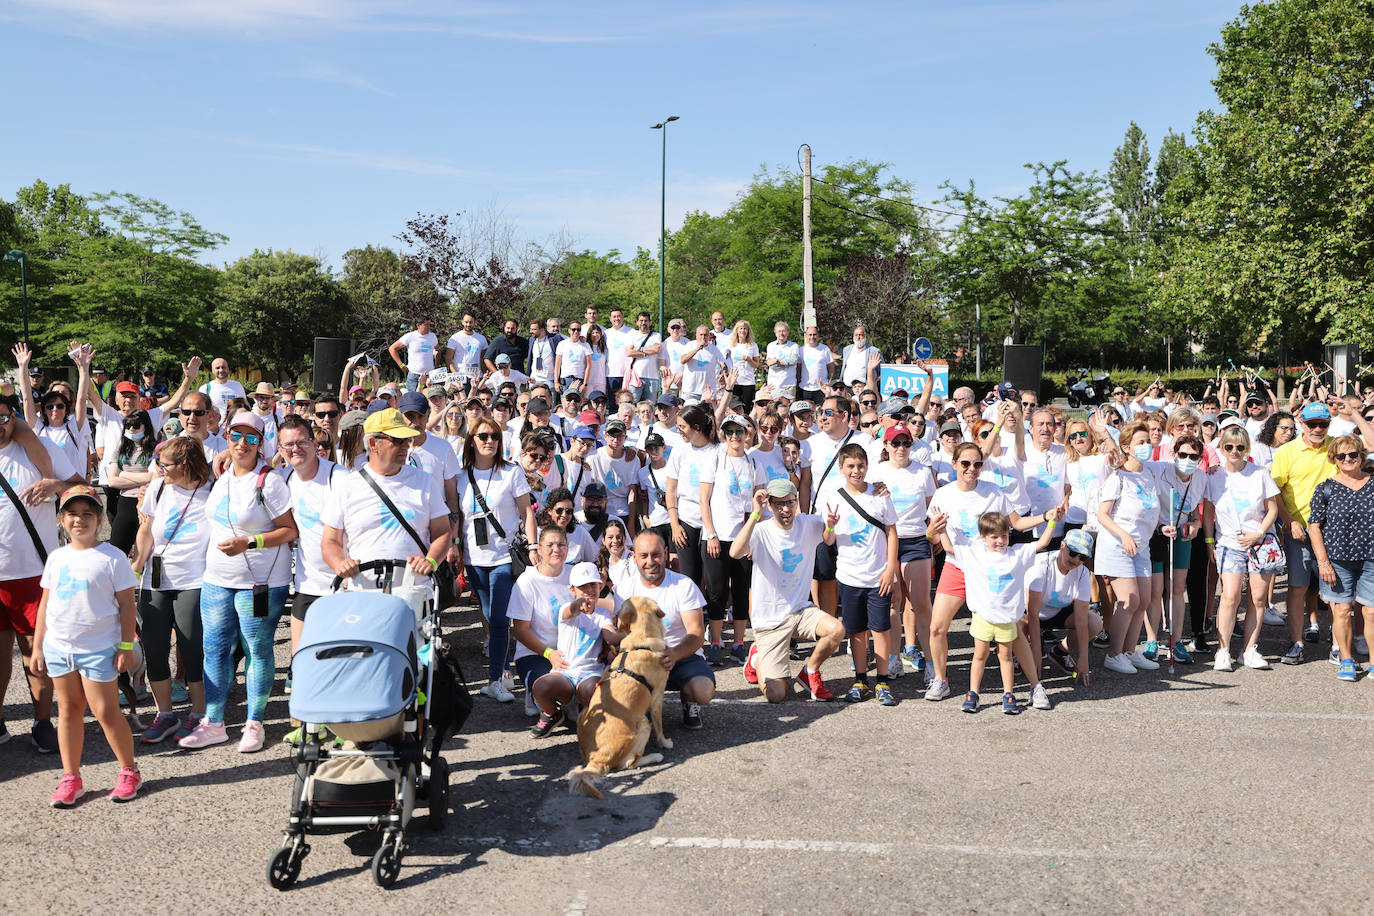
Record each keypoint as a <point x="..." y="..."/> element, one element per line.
<point x="486" y="437"/>
<point x="965" y="463"/>
<point x="250" y="438"/>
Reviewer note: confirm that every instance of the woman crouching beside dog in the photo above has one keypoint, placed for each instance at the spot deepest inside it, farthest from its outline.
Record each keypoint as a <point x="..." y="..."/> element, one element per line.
<point x="560" y="622"/>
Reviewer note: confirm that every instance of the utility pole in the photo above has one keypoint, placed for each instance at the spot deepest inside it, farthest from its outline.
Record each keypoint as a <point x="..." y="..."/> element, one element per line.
<point x="978" y="346"/>
<point x="808" y="288"/>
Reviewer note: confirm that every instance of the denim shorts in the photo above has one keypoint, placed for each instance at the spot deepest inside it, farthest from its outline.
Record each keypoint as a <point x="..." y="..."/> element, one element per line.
<point x="1354" y="583"/>
<point x="1235" y="561"/>
<point x="93" y="666"/>
<point x="1302" y="566"/>
<point x="913" y="548"/>
<point x="686" y="669"/>
<point x="1110" y="559"/>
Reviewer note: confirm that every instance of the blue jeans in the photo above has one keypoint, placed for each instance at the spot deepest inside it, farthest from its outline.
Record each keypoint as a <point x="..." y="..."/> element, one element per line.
<point x="412" y="381"/>
<point x="226" y="619"/>
<point x="493" y="585"/>
<point x="648" y="390"/>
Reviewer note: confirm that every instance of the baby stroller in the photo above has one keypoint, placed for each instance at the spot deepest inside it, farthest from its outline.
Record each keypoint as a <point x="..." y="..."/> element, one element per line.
<point x="374" y="670"/>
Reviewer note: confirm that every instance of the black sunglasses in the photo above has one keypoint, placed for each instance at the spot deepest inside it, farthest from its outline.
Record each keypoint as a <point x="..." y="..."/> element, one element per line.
<point x="326" y="414"/>
<point x="1347" y="456"/>
<point x="190" y="412"/>
<point x="1078" y="556"/>
<point x="486" y="437"/>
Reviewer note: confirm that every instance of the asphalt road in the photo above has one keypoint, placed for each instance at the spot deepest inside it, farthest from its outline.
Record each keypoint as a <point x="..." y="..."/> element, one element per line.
<point x="1204" y="791"/>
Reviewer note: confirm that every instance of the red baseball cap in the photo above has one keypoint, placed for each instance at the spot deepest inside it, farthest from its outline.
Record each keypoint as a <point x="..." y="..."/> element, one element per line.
<point x="589" y="418"/>
<point x="900" y="429"/>
<point x="126" y="388"/>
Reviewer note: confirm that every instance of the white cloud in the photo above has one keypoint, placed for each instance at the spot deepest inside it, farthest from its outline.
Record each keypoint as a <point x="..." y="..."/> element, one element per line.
<point x="325" y="73"/>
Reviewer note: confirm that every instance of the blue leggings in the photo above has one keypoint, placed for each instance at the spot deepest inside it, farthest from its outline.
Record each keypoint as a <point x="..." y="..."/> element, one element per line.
<point x="227" y="618"/>
<point x="493" y="585"/>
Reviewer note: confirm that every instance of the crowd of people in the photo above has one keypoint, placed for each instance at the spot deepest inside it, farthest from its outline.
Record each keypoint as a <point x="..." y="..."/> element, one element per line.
<point x="768" y="498"/>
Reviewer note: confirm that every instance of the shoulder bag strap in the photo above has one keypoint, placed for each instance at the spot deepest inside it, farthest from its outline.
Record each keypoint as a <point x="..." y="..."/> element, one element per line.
<point x="860" y="509"/>
<point x="185" y="511"/>
<point x="391" y="506"/>
<point x="482" y="501"/>
<point x="826" y="473"/>
<point x="24" y="517"/>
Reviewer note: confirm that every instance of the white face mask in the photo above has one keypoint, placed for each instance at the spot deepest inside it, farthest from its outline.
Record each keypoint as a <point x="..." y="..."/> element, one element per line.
<point x="1185" y="465"/>
<point x="1143" y="452"/>
<point x="135" y="435"/>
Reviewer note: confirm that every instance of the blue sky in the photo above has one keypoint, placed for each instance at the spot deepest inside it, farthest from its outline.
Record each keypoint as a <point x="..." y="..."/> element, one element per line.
<point x="325" y="127"/>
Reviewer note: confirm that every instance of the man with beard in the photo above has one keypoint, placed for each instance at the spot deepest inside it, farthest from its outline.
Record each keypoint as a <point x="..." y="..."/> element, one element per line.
<point x="617" y="469"/>
<point x="511" y="345"/>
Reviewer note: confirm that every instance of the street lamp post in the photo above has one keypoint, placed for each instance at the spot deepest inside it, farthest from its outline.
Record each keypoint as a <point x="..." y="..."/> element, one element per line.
<point x="663" y="216"/>
<point x="14" y="254"/>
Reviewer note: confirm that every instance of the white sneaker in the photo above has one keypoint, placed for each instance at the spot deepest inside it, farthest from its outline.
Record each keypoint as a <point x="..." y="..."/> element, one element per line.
<point x="1272" y="617"/>
<point x="1138" y="659"/>
<point x="1039" y="698"/>
<point x="1253" y="659"/>
<point x="1361" y="646"/>
<point x="1334" y="656"/>
<point x="1121" y="664"/>
<point x="1222" y="661"/>
<point x="498" y="692"/>
<point x="930" y="675"/>
<point x="531" y="707"/>
<point x="938" y="690"/>
<point x="508" y="682"/>
<point x="894" y="667"/>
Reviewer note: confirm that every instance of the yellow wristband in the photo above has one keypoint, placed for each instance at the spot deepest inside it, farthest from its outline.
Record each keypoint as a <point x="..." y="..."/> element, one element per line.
<point x="547" y="651"/>
<point x="1209" y="540"/>
<point x="754" y="516"/>
<point x="1051" y="524"/>
<point x="433" y="563"/>
<point x="126" y="647"/>
<point x="259" y="541"/>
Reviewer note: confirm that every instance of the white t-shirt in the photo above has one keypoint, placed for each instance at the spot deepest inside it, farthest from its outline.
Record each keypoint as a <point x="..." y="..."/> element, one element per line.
<point x="965" y="508"/>
<point x="498" y="378"/>
<point x="942" y="466"/>
<point x="1057" y="589"/>
<point x="675" y="594"/>
<point x="500" y="487"/>
<point x="82" y="614"/>
<point x="911" y="489"/>
<point x="724" y="340"/>
<point x="700" y="371"/>
<point x="580" y="641"/>
<point x="687" y="466"/>
<point x="538" y="599"/>
<point x="673" y="351"/>
<point x="788" y="356"/>
<point x="815" y="366"/>
<point x="617" y="475"/>
<point x="652" y="480"/>
<point x="235" y="512"/>
<point x="181" y="533"/>
<point x="110" y="429"/>
<point x="1044" y="477"/>
<point x="371" y="530"/>
<point x="1136" y="503"/>
<point x="768" y="465"/>
<point x="435" y="457"/>
<point x="541" y="358"/>
<point x="220" y="394"/>
<point x="308" y="501"/>
<point x="581" y="545"/>
<point x="740" y="352"/>
<point x="1085" y="477"/>
<point x="646" y="366"/>
<point x="732" y="492"/>
<point x="1238" y="498"/>
<point x="467" y="353"/>
<point x="854" y="363"/>
<point x="420" y="351"/>
<point x="574" y="355"/>
<point x="862" y="547"/>
<point x="71" y="438"/>
<point x="18" y="557"/>
<point x="783" y="564"/>
<point x="1005" y="472"/>
<point x="995" y="583"/>
<point x="212" y="445"/>
<point x="596" y="376"/>
<point x="618" y="340"/>
<point x="823" y="448"/>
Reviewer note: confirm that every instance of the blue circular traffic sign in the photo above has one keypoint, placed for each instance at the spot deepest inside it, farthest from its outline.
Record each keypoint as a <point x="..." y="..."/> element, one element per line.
<point x="922" y="348"/>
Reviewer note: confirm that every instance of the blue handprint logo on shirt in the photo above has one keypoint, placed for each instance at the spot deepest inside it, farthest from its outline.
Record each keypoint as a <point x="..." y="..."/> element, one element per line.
<point x="222" y="515"/>
<point x="170" y="529"/>
<point x="775" y="473"/>
<point x="554" y="604"/>
<point x="903" y="498"/>
<point x="737" y="483"/>
<point x="307" y="516"/>
<point x="68" y="585"/>
<point x="391" y="523"/>
<point x="694" y="476"/>
<point x="968" y="523"/>
<point x="1044" y="480"/>
<point x="612" y="480"/>
<point x="1149" y="499"/>
<point x="791" y="560"/>
<point x="999" y="581"/>
<point x="860" y="532"/>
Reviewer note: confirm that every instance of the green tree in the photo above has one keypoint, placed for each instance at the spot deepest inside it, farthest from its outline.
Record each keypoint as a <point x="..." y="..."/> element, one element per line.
<point x="375" y="285"/>
<point x="269" y="292"/>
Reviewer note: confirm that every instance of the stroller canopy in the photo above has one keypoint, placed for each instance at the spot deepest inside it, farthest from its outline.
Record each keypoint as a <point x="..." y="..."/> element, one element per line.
<point x="356" y="659"/>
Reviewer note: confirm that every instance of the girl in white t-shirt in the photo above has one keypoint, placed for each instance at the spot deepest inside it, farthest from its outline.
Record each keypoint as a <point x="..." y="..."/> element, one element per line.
<point x="744" y="357"/>
<point x="683" y="477"/>
<point x="83" y="638"/>
<point x="727" y="496"/>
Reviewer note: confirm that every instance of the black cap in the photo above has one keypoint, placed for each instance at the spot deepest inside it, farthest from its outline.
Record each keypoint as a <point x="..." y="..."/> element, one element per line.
<point x="148" y="370"/>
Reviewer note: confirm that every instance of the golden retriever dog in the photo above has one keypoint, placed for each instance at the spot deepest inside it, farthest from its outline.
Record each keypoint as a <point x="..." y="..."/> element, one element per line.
<point x="613" y="730"/>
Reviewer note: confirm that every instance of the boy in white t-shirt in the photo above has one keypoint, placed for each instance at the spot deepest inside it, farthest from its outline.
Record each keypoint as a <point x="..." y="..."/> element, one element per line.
<point x="585" y="625"/>
<point x="995" y="572"/>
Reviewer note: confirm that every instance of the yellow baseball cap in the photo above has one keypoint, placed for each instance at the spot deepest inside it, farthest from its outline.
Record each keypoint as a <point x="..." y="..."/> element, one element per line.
<point x="389" y="422"/>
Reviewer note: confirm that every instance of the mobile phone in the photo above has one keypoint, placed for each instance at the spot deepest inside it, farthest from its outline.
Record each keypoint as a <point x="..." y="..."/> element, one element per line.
<point x="479" y="528"/>
<point x="155" y="572"/>
<point x="260" y="604"/>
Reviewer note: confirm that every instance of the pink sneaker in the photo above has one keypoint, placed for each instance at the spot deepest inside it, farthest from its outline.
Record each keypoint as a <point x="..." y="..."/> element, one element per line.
<point x="252" y="737"/>
<point x="126" y="785"/>
<point x="68" y="791"/>
<point x="206" y="734"/>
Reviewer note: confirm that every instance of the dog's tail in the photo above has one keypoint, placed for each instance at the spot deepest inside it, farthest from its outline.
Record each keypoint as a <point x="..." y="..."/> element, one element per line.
<point x="582" y="781"/>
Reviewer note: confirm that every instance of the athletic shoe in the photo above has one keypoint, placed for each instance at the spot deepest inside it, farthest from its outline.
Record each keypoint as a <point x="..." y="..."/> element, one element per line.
<point x="939" y="689"/>
<point x="1140" y="660"/>
<point x="1348" y="671"/>
<point x="751" y="674"/>
<point x="1293" y="656"/>
<point x="884" y="695"/>
<point x="508" y="682"/>
<point x="204" y="735"/>
<point x="531" y="707"/>
<point x="187" y="727"/>
<point x="252" y="737"/>
<point x="44" y="736"/>
<point x="858" y="693"/>
<point x="1181" y="655"/>
<point x="1313" y="633"/>
<point x="1222" y="661"/>
<point x="814" y="685"/>
<point x="1361" y="645"/>
<point x="180" y="693"/>
<point x="126" y="785"/>
<point x="1121" y="664"/>
<point x="164" y="724"/>
<point x="1060" y="656"/>
<point x="911" y="658"/>
<point x="1272" y="617"/>
<point x="1039" y="698"/>
<point x="68" y="791"/>
<point x="930" y="675"/>
<point x="1209" y="625"/>
<point x="1253" y="659"/>
<point x="894" y="667"/>
<point x="547" y="723"/>
<point x="739" y="653"/>
<point x="1102" y="640"/>
<point x="1151" y="650"/>
<point x="714" y="652"/>
<point x="970" y="703"/>
<point x="1334" y="656"/>
<point x="691" y="716"/>
<point x="4" y="732"/>
<point x="294" y="737"/>
<point x="497" y="691"/>
<point x="1009" y="706"/>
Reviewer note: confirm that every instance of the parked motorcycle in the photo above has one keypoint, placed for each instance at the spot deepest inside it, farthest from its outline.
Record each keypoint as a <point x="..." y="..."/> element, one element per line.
<point x="1086" y="390"/>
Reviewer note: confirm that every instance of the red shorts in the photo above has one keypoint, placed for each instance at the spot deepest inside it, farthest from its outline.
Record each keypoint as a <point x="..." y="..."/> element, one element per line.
<point x="19" y="604"/>
<point x="951" y="581"/>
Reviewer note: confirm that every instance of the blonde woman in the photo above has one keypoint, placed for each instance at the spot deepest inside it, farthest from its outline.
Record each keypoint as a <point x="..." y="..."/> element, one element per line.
<point x="744" y="355"/>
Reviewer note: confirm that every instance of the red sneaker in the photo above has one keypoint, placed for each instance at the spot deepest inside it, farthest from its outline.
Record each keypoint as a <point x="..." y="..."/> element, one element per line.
<point x="68" y="791"/>
<point x="126" y="786"/>
<point x="812" y="683"/>
<point x="751" y="674"/>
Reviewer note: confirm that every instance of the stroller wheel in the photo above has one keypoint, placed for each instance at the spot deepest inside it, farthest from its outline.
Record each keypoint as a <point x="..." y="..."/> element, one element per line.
<point x="285" y="867"/>
<point x="437" y="791"/>
<point x="386" y="864"/>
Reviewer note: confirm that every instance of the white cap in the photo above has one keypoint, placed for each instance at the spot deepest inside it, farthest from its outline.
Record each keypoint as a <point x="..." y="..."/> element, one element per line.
<point x="585" y="573"/>
<point x="734" y="418"/>
<point x="1229" y="422"/>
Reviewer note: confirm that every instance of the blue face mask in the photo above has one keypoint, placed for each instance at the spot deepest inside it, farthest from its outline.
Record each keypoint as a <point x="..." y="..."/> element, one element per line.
<point x="1143" y="452"/>
<point x="134" y="435"/>
<point x="1185" y="465"/>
